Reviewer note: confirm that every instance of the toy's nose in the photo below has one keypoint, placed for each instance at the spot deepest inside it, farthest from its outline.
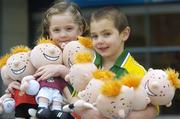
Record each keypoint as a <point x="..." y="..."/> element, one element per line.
<point x="51" y="50"/>
<point x="16" y="63"/>
<point x="155" y="85"/>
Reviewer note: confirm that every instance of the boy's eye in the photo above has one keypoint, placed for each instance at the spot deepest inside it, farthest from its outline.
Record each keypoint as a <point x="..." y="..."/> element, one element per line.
<point x="56" y="30"/>
<point x="94" y="37"/>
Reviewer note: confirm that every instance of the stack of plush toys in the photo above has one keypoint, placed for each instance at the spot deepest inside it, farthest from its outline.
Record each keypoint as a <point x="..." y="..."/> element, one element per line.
<point x="97" y="88"/>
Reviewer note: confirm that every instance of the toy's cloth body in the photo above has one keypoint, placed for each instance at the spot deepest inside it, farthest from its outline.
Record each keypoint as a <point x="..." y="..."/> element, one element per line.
<point x="23" y="104"/>
<point x="24" y="99"/>
<point x="55" y="83"/>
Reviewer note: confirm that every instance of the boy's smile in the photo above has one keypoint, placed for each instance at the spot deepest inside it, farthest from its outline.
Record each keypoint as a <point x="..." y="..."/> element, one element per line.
<point x="107" y="40"/>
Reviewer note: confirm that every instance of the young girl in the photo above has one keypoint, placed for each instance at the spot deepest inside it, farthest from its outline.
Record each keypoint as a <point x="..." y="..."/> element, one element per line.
<point x="109" y="30"/>
<point x="62" y="22"/>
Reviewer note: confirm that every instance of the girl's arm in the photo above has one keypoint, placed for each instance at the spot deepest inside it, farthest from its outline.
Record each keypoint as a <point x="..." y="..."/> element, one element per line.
<point x="52" y="70"/>
<point x="13" y="85"/>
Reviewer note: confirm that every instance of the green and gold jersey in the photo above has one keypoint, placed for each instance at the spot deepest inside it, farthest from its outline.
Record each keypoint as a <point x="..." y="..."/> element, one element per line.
<point x="125" y="63"/>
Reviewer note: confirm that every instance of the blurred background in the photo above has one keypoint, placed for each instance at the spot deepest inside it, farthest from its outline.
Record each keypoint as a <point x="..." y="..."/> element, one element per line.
<point x="154" y="40"/>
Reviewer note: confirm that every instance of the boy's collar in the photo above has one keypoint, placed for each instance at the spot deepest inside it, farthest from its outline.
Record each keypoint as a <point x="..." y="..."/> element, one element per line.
<point x="119" y="61"/>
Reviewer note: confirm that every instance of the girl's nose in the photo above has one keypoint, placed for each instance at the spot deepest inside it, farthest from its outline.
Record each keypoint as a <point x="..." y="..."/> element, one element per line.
<point x="63" y="34"/>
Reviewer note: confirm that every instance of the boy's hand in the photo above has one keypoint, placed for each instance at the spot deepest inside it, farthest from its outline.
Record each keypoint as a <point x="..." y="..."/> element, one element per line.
<point x="149" y="113"/>
<point x="91" y="114"/>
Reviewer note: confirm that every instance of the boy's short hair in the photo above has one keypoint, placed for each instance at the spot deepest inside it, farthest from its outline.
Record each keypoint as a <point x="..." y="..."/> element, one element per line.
<point x="111" y="13"/>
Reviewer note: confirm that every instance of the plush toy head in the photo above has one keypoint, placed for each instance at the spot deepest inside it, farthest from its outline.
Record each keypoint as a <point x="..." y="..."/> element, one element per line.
<point x="4" y="76"/>
<point x="115" y="100"/>
<point x="45" y="52"/>
<point x="81" y="72"/>
<point x="92" y="90"/>
<point x="160" y="85"/>
<point x="82" y="45"/>
<point x="18" y="64"/>
<point x="140" y="96"/>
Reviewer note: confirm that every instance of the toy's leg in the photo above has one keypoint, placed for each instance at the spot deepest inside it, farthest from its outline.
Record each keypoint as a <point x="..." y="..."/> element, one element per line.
<point x="57" y="111"/>
<point x="43" y="111"/>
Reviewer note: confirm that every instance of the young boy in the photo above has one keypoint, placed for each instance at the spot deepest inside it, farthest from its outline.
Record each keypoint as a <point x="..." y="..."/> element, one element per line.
<point x="109" y="30"/>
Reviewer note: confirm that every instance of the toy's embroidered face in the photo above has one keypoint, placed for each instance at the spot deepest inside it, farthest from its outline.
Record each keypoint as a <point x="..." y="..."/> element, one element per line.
<point x="110" y="106"/>
<point x="70" y="49"/>
<point x="80" y="75"/>
<point x="19" y="66"/>
<point x="158" y="87"/>
<point x="44" y="54"/>
<point x="92" y="91"/>
<point x="4" y="76"/>
<point x="142" y="99"/>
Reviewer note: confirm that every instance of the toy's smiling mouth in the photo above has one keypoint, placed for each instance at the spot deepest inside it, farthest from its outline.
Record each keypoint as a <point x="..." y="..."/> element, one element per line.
<point x="51" y="58"/>
<point x="69" y="62"/>
<point x="148" y="90"/>
<point x="19" y="71"/>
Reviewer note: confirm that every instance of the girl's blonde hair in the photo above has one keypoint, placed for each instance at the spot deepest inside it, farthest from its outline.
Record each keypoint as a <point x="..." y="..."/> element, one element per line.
<point x="60" y="7"/>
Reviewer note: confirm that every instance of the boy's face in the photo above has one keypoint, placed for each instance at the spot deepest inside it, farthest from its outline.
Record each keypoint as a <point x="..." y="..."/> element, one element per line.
<point x="63" y="29"/>
<point x="107" y="40"/>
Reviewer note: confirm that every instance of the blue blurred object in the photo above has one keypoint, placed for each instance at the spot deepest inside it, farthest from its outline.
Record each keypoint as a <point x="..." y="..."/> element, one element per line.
<point x="96" y="3"/>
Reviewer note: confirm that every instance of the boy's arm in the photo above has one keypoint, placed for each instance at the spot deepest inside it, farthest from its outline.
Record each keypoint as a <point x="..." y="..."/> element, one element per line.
<point x="149" y="113"/>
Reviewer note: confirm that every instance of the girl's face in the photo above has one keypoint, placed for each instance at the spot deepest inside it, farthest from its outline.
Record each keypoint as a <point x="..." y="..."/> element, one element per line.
<point x="63" y="29"/>
<point x="107" y="40"/>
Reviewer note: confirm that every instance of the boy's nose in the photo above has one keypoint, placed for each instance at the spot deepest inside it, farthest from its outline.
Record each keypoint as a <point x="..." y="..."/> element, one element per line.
<point x="100" y="40"/>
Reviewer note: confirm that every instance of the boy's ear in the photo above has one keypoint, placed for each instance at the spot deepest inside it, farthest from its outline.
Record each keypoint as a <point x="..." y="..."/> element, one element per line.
<point x="125" y="33"/>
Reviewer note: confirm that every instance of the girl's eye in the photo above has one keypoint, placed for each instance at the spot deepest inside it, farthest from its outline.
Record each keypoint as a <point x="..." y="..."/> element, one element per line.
<point x="69" y="28"/>
<point x="106" y="34"/>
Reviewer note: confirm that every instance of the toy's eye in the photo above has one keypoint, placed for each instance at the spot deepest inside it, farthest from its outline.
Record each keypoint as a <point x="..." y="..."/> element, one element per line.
<point x="164" y="86"/>
<point x="121" y="99"/>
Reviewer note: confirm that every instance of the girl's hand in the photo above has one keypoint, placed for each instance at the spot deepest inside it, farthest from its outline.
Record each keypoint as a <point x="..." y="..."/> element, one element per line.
<point x="52" y="70"/>
<point x="13" y="85"/>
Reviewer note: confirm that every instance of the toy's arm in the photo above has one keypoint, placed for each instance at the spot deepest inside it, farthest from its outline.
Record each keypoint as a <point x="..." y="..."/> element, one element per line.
<point x="80" y="104"/>
<point x="29" y="85"/>
<point x="7" y="104"/>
